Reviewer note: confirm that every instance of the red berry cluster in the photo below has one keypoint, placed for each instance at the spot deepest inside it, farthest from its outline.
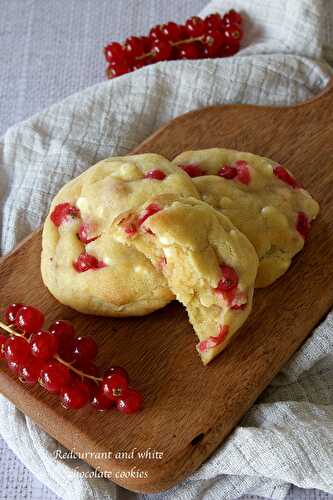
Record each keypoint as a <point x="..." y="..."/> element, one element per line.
<point x="62" y="363"/>
<point x="214" y="36"/>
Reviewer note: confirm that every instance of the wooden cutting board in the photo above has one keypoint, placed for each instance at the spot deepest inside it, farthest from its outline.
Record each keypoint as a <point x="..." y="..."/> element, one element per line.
<point x="190" y="409"/>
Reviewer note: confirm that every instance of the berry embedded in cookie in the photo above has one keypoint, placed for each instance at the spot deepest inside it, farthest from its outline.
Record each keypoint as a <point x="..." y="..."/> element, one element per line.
<point x="214" y="341"/>
<point x="63" y="212"/>
<point x="261" y="198"/>
<point x="82" y="265"/>
<point x="282" y="174"/>
<point x="209" y="264"/>
<point x="84" y="262"/>
<point x="158" y="175"/>
<point x="86" y="232"/>
<point x="193" y="170"/>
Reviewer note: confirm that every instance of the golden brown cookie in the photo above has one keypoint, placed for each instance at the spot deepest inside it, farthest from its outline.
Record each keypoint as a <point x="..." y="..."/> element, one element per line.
<point x="82" y="266"/>
<point x="260" y="197"/>
<point x="208" y="263"/>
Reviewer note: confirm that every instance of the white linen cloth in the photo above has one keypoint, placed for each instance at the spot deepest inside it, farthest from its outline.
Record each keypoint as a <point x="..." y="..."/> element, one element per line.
<point x="287" y="437"/>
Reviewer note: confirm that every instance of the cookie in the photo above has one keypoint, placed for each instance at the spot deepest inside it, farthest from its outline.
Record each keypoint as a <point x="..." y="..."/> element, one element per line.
<point x="208" y="263"/>
<point x="82" y="266"/>
<point x="260" y="197"/>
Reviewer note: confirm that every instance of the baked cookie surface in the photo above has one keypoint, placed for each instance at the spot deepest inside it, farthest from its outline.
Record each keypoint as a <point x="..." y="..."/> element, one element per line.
<point x="260" y="197"/>
<point x="81" y="264"/>
<point x="209" y="264"/>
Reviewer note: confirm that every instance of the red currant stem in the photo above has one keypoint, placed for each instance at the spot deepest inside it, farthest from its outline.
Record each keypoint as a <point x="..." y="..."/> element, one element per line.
<point x="188" y="40"/>
<point x="173" y="44"/>
<point x="148" y="54"/>
<point x="75" y="370"/>
<point x="9" y="329"/>
<point x="58" y="358"/>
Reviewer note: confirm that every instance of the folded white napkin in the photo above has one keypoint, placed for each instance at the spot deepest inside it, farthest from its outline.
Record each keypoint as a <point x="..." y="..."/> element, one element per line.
<point x="287" y="437"/>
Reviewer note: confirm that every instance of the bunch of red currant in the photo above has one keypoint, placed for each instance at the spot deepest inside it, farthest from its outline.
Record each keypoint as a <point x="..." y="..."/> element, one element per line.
<point x="214" y="36"/>
<point x="62" y="363"/>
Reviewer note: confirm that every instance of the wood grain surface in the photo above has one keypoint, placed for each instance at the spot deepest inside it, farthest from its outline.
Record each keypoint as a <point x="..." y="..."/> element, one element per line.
<point x="190" y="409"/>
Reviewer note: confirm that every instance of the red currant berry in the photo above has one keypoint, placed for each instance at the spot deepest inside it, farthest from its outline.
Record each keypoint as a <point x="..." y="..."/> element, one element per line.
<point x="3" y="339"/>
<point x="85" y="349"/>
<point x="237" y="307"/>
<point x="175" y="53"/>
<point x="44" y="345"/>
<point x="243" y="172"/>
<point x="118" y="69"/>
<point x="156" y="33"/>
<point x="227" y="172"/>
<point x="284" y="176"/>
<point x="229" y="280"/>
<point x="92" y="388"/>
<point x="14" y="367"/>
<point x="232" y="33"/>
<point x="11" y="312"/>
<point x="66" y="350"/>
<point x="29" y="319"/>
<point x="214" y="22"/>
<point x="16" y="349"/>
<point x="74" y="396"/>
<point x="190" y="51"/>
<point x="85" y="233"/>
<point x="139" y="63"/>
<point x="130" y="402"/>
<point x="63" y="330"/>
<point x="101" y="402"/>
<point x="29" y="371"/>
<point x="146" y="43"/>
<point x="229" y="49"/>
<point x="85" y="262"/>
<point x="161" y="50"/>
<point x="65" y="333"/>
<point x="158" y="175"/>
<point x="193" y="170"/>
<point x="54" y="376"/>
<point x="114" y="385"/>
<point x="134" y="47"/>
<point x="228" y="295"/>
<point x="303" y="224"/>
<point x="183" y="30"/>
<point x="117" y="369"/>
<point x="195" y="26"/>
<point x="63" y="212"/>
<point x="152" y="209"/>
<point x="232" y="17"/>
<point x="172" y="31"/>
<point x="130" y="229"/>
<point x="213" y="42"/>
<point x="114" y="53"/>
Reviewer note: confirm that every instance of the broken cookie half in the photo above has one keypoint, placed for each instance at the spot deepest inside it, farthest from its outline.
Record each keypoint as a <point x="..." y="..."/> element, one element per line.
<point x="209" y="264"/>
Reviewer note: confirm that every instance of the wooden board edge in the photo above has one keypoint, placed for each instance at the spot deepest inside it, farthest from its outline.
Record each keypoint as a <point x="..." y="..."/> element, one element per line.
<point x="21" y="244"/>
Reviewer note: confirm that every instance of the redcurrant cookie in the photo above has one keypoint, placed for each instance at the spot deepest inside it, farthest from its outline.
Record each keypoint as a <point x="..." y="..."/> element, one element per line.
<point x="260" y="197"/>
<point x="81" y="264"/>
<point x="209" y="264"/>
